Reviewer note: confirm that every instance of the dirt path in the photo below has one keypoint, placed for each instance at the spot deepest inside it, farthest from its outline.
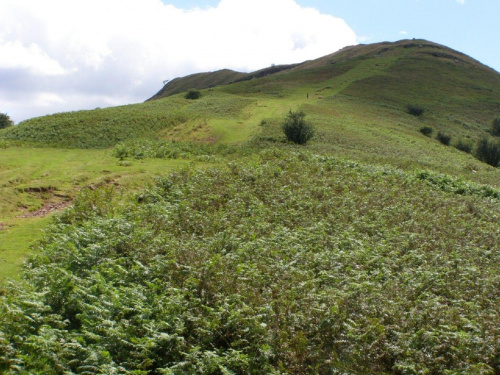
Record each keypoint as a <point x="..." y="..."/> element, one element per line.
<point x="47" y="209"/>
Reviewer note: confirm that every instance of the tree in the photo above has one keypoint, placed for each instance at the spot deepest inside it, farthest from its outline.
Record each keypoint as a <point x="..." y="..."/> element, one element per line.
<point x="5" y="121"/>
<point x="488" y="151"/>
<point x="415" y="110"/>
<point x="193" y="94"/>
<point x="445" y="139"/>
<point x="426" y="130"/>
<point x="296" y="128"/>
<point x="495" y="127"/>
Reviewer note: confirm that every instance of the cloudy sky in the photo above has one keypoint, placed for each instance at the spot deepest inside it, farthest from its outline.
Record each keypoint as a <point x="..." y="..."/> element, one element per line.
<point x="62" y="55"/>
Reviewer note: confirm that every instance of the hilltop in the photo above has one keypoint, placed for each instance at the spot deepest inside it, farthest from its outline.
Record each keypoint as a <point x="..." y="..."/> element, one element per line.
<point x="418" y="50"/>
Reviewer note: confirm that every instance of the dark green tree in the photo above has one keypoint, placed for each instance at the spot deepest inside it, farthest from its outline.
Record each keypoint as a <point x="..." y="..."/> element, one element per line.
<point x="296" y="128"/>
<point x="193" y="94"/>
<point x="445" y="139"/>
<point x="495" y="127"/>
<point x="5" y="121"/>
<point x="426" y="130"/>
<point x="488" y="151"/>
<point x="415" y="110"/>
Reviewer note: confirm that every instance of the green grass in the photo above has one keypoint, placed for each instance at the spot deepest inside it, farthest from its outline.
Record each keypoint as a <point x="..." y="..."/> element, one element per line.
<point x="62" y="173"/>
<point x="101" y="128"/>
<point x="16" y="239"/>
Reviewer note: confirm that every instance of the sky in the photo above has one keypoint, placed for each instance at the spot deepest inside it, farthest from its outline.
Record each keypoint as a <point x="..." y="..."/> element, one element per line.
<point x="67" y="55"/>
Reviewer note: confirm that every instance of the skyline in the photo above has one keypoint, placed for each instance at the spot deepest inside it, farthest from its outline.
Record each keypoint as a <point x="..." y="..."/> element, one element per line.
<point x="66" y="55"/>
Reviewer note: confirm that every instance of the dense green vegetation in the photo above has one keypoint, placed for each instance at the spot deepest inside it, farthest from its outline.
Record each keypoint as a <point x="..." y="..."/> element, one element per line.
<point x="488" y="150"/>
<point x="284" y="263"/>
<point x="197" y="240"/>
<point x="495" y="127"/>
<point x="445" y="139"/>
<point x="193" y="94"/>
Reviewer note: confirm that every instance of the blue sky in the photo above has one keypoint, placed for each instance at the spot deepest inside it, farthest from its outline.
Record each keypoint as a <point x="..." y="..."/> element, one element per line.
<point x="64" y="55"/>
<point x="472" y="26"/>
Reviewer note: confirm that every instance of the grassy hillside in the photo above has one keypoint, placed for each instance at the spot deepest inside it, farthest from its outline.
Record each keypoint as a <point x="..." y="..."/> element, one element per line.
<point x="284" y="263"/>
<point x="196" y="240"/>
<point x="38" y="182"/>
<point x="357" y="98"/>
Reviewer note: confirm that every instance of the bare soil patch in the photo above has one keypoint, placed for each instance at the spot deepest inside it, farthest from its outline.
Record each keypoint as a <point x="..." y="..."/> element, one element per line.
<point x="47" y="208"/>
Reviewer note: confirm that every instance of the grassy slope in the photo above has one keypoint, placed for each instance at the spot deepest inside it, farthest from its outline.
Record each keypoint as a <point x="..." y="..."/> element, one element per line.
<point x="357" y="100"/>
<point x="359" y="86"/>
<point x="37" y="181"/>
<point x="282" y="263"/>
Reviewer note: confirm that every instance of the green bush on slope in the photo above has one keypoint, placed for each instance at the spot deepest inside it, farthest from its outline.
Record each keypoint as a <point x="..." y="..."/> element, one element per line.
<point x="193" y="94"/>
<point x="296" y="128"/>
<point x="488" y="151"/>
<point x="495" y="127"/>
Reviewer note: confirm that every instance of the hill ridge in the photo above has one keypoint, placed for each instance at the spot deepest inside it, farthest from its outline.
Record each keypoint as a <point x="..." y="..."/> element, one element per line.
<point x="205" y="80"/>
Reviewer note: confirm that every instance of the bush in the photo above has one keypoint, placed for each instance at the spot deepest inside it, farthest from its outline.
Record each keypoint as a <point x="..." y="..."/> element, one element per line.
<point x="443" y="138"/>
<point x="296" y="128"/>
<point x="488" y="151"/>
<point x="193" y="94"/>
<point x="463" y="145"/>
<point x="415" y="110"/>
<point x="5" y="121"/>
<point x="495" y="127"/>
<point x="426" y="130"/>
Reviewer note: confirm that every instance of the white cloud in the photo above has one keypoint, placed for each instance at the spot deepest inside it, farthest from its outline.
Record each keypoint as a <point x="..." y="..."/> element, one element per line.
<point x="120" y="51"/>
<point x="15" y="55"/>
<point x="403" y="32"/>
<point x="461" y="1"/>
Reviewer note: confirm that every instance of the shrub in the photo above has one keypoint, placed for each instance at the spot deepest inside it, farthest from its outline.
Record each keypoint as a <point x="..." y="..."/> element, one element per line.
<point x="296" y="128"/>
<point x="193" y="94"/>
<point x="488" y="151"/>
<point x="415" y="110"/>
<point x="426" y="130"/>
<point x="464" y="145"/>
<point x="495" y="127"/>
<point x="445" y="139"/>
<point x="5" y="121"/>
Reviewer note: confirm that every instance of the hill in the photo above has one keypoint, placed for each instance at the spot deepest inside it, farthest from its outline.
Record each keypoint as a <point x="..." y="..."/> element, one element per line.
<point x="459" y="94"/>
<point x="357" y="99"/>
<point x="197" y="240"/>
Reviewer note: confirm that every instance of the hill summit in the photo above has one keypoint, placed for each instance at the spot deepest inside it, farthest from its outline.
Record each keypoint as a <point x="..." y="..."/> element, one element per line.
<point x="403" y="52"/>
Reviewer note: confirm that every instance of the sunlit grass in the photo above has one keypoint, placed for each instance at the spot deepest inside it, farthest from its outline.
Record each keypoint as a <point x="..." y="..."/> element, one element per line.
<point x="34" y="178"/>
